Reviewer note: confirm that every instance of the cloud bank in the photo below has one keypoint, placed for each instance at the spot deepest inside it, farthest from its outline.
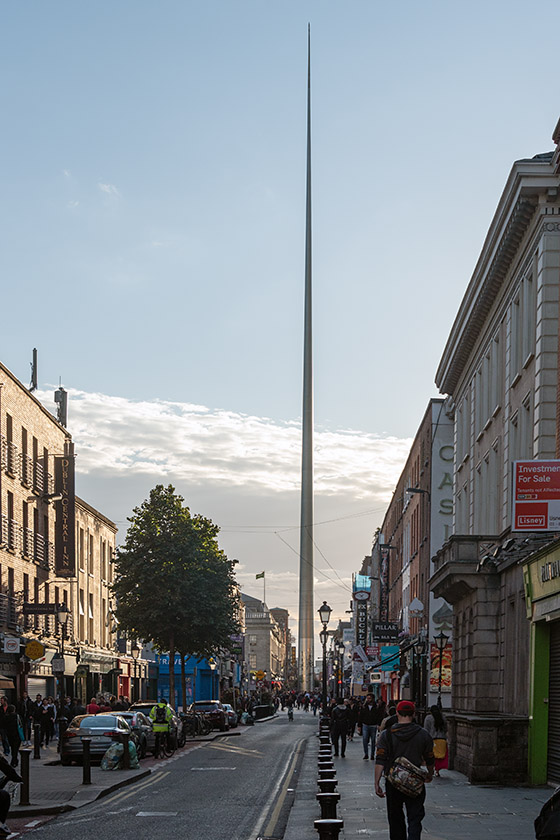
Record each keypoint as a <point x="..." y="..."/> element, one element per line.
<point x="194" y="444"/>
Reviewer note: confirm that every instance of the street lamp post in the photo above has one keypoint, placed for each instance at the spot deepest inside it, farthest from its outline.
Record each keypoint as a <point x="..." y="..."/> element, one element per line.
<point x="441" y="642"/>
<point x="62" y="613"/>
<point x="213" y="665"/>
<point x="135" y="651"/>
<point x="324" y="615"/>
<point x="341" y="667"/>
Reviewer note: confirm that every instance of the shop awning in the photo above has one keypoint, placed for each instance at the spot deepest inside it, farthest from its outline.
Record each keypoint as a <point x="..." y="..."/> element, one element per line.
<point x="6" y="683"/>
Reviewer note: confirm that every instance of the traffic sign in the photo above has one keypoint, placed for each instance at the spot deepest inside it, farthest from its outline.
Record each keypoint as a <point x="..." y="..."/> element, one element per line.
<point x="260" y="675"/>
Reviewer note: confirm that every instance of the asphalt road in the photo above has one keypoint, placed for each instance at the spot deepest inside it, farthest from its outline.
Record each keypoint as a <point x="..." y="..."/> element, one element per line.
<point x="237" y="787"/>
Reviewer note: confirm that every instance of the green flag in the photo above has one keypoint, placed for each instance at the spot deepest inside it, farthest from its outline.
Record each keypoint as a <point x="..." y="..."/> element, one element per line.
<point x="259" y="576"/>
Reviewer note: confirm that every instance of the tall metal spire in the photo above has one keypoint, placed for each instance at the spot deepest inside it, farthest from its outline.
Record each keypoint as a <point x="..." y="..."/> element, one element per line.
<point x="305" y="634"/>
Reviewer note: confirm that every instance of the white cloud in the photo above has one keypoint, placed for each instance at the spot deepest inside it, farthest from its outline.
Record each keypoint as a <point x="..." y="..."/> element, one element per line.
<point x="66" y="173"/>
<point x="243" y="472"/>
<point x="191" y="443"/>
<point x="110" y="189"/>
<point x="73" y="204"/>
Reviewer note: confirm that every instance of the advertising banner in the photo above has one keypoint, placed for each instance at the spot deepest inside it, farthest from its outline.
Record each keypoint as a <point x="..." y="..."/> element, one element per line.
<point x="536" y="496"/>
<point x="446" y="662"/>
<point x="390" y="658"/>
<point x="65" y="527"/>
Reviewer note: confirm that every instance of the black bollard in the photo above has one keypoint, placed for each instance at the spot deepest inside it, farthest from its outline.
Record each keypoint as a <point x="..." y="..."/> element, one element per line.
<point x="328" y="801"/>
<point x="327" y="785"/>
<point x="328" y="829"/>
<point x="36" y="741"/>
<point x="86" y="779"/>
<point x="62" y="727"/>
<point x="326" y="765"/>
<point x="25" y="754"/>
<point x="126" y="754"/>
<point x="327" y="774"/>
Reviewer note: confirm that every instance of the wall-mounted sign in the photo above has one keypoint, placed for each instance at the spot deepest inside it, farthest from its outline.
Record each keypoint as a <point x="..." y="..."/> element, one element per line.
<point x="361" y="595"/>
<point x="65" y="527"/>
<point x="34" y="650"/>
<point x="390" y="658"/>
<point x="361" y="622"/>
<point x="536" y="496"/>
<point x="385" y="630"/>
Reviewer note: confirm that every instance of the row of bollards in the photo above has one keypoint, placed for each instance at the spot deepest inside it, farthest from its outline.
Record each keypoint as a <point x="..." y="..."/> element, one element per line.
<point x="328" y="826"/>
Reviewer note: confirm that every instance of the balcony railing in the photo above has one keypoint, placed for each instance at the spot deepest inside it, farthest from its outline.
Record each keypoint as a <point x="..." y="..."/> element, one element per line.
<point x="8" y="611"/>
<point x="11" y="458"/>
<point x="26" y="469"/>
<point x="27" y="542"/>
<point x="9" y="533"/>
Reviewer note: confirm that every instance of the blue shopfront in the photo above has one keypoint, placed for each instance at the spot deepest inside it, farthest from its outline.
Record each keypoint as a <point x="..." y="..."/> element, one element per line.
<point x="202" y="681"/>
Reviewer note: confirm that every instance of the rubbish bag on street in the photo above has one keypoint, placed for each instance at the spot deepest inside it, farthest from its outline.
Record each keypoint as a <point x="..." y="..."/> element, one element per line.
<point x="113" y="758"/>
<point x="547" y="824"/>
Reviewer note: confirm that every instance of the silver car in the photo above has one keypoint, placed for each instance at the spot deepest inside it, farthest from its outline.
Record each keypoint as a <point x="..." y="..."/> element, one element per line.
<point x="104" y="730"/>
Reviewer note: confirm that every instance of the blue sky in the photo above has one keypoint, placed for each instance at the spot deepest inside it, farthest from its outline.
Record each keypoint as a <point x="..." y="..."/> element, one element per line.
<point x="153" y="176"/>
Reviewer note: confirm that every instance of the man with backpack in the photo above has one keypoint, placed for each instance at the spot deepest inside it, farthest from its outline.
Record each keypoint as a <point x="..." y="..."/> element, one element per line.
<point x="410" y="742"/>
<point x="340" y="718"/>
<point x="161" y="717"/>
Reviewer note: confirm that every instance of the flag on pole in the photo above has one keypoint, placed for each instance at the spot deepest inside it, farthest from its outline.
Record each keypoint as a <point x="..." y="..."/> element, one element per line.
<point x="259" y="576"/>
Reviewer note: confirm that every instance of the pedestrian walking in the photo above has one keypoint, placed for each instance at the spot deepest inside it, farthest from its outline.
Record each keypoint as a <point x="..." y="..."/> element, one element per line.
<point x="406" y="740"/>
<point x="12" y="727"/>
<point x="340" y="717"/>
<point x="353" y="717"/>
<point x="10" y="775"/>
<point x="25" y="711"/>
<point x="368" y="721"/>
<point x="436" y="726"/>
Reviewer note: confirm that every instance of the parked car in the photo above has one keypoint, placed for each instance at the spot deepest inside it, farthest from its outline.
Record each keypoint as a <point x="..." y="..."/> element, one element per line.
<point x="232" y="715"/>
<point x="146" y="706"/>
<point x="103" y="729"/>
<point x="215" y="711"/>
<point x="142" y="731"/>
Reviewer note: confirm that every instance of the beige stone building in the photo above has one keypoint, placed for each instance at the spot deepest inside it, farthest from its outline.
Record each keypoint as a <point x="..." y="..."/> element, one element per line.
<point x="54" y="549"/>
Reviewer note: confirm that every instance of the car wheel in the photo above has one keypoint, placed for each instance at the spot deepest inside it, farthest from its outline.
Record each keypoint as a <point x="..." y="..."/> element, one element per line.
<point x="66" y="762"/>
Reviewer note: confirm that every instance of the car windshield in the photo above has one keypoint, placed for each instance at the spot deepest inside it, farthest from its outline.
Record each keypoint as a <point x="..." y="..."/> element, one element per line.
<point x="205" y="707"/>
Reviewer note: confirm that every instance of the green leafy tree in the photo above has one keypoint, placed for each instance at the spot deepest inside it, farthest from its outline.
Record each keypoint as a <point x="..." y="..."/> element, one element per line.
<point x="174" y="586"/>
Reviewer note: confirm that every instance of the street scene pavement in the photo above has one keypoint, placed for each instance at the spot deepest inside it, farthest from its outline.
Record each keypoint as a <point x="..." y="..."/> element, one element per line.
<point x="257" y="782"/>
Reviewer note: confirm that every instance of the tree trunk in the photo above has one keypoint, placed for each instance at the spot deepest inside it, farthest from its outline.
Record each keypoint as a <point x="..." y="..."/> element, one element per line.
<point x="172" y="671"/>
<point x="183" y="682"/>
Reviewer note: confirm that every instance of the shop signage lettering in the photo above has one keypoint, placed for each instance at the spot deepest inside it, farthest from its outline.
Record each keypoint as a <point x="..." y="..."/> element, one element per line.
<point x="65" y="527"/>
<point x="549" y="571"/>
<point x="361" y="623"/>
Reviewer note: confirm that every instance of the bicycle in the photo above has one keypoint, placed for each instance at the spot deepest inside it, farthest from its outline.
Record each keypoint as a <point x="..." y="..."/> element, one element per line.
<point x="164" y="747"/>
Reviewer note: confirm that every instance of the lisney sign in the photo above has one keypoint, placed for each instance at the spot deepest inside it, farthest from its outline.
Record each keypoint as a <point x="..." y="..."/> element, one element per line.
<point x="536" y="496"/>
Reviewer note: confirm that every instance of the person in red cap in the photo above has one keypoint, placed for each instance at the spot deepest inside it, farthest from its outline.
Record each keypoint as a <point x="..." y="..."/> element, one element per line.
<point x="408" y="739"/>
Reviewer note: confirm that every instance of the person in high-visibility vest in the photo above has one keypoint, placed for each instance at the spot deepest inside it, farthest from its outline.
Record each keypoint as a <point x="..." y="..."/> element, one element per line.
<point x="161" y="717"/>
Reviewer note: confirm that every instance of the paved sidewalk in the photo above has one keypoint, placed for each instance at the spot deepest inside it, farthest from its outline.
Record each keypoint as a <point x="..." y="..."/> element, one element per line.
<point x="54" y="789"/>
<point x="455" y="809"/>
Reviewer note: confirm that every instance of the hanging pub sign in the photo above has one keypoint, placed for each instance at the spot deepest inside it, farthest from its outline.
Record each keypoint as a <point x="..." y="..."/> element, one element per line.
<point x="383" y="631"/>
<point x="361" y="623"/>
<point x="65" y="528"/>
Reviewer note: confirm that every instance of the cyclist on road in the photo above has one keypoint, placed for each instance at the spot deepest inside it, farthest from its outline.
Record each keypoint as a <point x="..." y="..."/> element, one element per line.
<point x="161" y="717"/>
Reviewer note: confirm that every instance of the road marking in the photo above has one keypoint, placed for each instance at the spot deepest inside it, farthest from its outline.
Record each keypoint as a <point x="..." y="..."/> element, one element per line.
<point x="238" y="750"/>
<point x="31" y="824"/>
<point x="156" y="814"/>
<point x="278" y="807"/>
<point x="257" y="832"/>
<point x="122" y="795"/>
<point x="200" y="769"/>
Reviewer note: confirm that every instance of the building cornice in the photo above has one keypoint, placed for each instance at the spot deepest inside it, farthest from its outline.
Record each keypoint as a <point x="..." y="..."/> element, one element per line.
<point x="528" y="182"/>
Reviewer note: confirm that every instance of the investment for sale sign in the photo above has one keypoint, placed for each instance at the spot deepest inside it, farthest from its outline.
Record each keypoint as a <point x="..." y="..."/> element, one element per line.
<point x="536" y="496"/>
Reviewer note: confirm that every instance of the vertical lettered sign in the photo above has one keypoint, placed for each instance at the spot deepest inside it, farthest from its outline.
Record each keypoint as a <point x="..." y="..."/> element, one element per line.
<point x="65" y="507"/>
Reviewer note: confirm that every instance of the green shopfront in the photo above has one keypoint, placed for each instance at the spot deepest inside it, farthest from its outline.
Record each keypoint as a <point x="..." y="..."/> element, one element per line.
<point x="541" y="575"/>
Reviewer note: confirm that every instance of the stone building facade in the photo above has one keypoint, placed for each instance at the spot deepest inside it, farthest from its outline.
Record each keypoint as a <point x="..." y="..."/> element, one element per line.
<point x="499" y="367"/>
<point x="266" y="642"/>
